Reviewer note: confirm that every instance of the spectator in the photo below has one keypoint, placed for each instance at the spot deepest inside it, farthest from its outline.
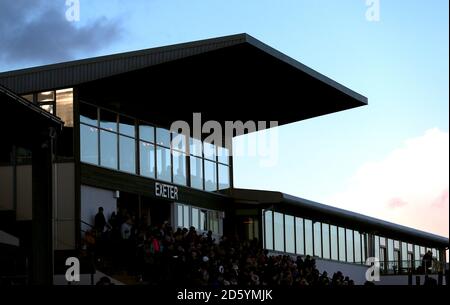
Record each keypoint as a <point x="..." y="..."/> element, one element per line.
<point x="427" y="260"/>
<point x="160" y="255"/>
<point x="125" y="230"/>
<point x="100" y="221"/>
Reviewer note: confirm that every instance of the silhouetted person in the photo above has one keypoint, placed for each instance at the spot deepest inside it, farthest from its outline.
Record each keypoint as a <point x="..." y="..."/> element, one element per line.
<point x="100" y="221"/>
<point x="427" y="260"/>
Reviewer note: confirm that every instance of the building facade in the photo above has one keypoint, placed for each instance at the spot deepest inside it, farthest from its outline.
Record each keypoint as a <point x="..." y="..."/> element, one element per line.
<point x="116" y="151"/>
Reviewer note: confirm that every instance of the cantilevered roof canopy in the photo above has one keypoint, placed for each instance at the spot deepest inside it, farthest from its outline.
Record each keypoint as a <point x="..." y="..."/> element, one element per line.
<point x="296" y="206"/>
<point x="21" y="120"/>
<point x="227" y="78"/>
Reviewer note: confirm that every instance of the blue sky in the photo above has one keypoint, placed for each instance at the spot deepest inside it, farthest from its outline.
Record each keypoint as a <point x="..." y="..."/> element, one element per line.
<point x="400" y="63"/>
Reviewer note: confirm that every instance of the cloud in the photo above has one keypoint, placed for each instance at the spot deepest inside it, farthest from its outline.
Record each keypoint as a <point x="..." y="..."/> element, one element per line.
<point x="396" y="203"/>
<point x="408" y="186"/>
<point x="37" y="32"/>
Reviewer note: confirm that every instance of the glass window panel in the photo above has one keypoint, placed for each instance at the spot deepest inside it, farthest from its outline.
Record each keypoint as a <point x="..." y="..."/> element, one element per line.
<point x="325" y="241"/>
<point x="196" y="173"/>
<point x="146" y="132"/>
<point x="88" y="114"/>
<point x="377" y="247"/>
<point x="349" y="241"/>
<point x="214" y="221"/>
<point x="357" y="243"/>
<point x="89" y="144"/>
<point x="163" y="137"/>
<point x="203" y="220"/>
<point x="64" y="106"/>
<point x="224" y="177"/>
<point x="127" y="154"/>
<point x="382" y="241"/>
<point x="342" y="247"/>
<point x="278" y="231"/>
<point x="396" y="244"/>
<point x="209" y="150"/>
<point x="317" y="239"/>
<point x="289" y="232"/>
<point x="434" y="253"/>
<point x="45" y="97"/>
<point x="390" y="246"/>
<point x="180" y="215"/>
<point x="363" y="247"/>
<point x="108" y="149"/>
<point x="108" y="120"/>
<point x="404" y="247"/>
<point x="248" y="228"/>
<point x="163" y="164"/>
<point x="195" y="147"/>
<point x="223" y="155"/>
<point x="299" y="236"/>
<point x="410" y="247"/>
<point x="179" y="168"/>
<point x="147" y="159"/>
<point x="127" y="126"/>
<point x="210" y="176"/>
<point x="268" y="230"/>
<point x="195" y="218"/>
<point x="48" y="107"/>
<point x="186" y="216"/>
<point x="308" y="237"/>
<point x="334" y="242"/>
<point x="416" y="252"/>
<point x="28" y="97"/>
<point x="179" y="142"/>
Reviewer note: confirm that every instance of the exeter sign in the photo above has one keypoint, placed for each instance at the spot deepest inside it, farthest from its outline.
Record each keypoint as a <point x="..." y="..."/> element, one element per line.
<point x="166" y="191"/>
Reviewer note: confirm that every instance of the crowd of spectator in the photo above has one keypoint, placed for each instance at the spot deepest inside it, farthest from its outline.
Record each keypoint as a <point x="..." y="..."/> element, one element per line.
<point x="162" y="255"/>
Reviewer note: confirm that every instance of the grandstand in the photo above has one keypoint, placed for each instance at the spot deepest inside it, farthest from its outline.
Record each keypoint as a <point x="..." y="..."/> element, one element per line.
<point x="115" y="152"/>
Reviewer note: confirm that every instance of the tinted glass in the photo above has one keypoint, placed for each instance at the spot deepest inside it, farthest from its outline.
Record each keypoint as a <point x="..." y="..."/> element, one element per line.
<point x="108" y="149"/>
<point x="89" y="144"/>
<point x="127" y="154"/>
<point x="196" y="172"/>
<point x="147" y="159"/>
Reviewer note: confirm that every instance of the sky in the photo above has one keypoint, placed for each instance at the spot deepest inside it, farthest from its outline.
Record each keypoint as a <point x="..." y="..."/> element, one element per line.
<point x="387" y="160"/>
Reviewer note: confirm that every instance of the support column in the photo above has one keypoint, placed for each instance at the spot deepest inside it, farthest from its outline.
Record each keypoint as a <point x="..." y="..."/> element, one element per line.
<point x="42" y="241"/>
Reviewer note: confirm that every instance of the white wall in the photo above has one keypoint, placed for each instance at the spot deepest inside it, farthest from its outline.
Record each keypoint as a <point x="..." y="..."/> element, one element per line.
<point x="403" y="279"/>
<point x="357" y="273"/>
<point x="64" y="206"/>
<point x="8" y="239"/>
<point x="24" y="192"/>
<point x="6" y="188"/>
<point x="85" y="279"/>
<point x="91" y="199"/>
<point x="24" y="209"/>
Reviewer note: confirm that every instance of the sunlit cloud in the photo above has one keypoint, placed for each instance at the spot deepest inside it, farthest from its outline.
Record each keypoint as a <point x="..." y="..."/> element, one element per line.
<point x="409" y="186"/>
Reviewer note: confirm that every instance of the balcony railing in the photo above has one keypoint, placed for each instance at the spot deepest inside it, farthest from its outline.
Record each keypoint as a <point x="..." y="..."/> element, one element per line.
<point x="411" y="267"/>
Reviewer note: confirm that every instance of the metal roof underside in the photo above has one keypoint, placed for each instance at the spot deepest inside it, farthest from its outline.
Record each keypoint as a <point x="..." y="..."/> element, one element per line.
<point x="229" y="72"/>
<point x="70" y="73"/>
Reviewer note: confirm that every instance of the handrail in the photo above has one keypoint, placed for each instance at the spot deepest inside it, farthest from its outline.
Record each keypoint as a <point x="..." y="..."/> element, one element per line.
<point x="84" y="222"/>
<point x="413" y="267"/>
